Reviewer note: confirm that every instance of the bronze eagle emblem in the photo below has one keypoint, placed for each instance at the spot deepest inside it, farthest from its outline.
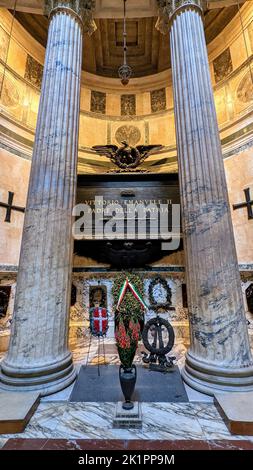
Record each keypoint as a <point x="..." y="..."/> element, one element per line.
<point x="126" y="157"/>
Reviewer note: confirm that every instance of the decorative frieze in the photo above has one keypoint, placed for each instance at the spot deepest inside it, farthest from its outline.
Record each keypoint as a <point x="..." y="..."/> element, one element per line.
<point x="222" y="65"/>
<point x="245" y="89"/>
<point x="158" y="100"/>
<point x="33" y="71"/>
<point x="128" y="105"/>
<point x="129" y="133"/>
<point x="4" y="41"/>
<point x="98" y="102"/>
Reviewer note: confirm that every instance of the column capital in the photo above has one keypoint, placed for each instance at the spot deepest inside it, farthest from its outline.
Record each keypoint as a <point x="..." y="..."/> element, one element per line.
<point x="168" y="9"/>
<point x="80" y="9"/>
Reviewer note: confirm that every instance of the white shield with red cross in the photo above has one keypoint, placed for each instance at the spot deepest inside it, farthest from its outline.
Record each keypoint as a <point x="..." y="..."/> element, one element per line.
<point x="98" y="321"/>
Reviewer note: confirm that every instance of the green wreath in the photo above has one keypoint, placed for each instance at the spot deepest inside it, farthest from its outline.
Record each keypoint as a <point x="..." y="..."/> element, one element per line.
<point x="153" y="303"/>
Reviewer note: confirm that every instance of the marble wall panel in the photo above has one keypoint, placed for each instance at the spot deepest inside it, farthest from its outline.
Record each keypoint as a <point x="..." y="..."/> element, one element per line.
<point x="220" y="98"/>
<point x="14" y="177"/>
<point x="17" y="58"/>
<point x="239" y="174"/>
<point x="250" y="35"/>
<point x="162" y="130"/>
<point x="92" y="131"/>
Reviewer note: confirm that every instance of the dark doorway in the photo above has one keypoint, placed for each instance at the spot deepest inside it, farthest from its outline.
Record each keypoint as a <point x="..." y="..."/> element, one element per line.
<point x="5" y="292"/>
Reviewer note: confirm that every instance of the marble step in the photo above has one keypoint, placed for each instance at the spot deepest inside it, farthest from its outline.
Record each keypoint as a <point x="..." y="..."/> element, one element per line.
<point x="16" y="410"/>
<point x="236" y="409"/>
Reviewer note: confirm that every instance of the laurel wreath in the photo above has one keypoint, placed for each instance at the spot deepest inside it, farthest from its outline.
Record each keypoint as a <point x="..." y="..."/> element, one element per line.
<point x="152" y="301"/>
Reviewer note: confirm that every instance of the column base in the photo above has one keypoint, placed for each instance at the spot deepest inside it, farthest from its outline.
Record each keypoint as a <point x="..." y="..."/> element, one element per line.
<point x="46" y="380"/>
<point x="214" y="379"/>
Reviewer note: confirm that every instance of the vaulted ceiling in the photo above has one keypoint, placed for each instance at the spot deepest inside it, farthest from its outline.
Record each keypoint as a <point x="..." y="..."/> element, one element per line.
<point x="148" y="50"/>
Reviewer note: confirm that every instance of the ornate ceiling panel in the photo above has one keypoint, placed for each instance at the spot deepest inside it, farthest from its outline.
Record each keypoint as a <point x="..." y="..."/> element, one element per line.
<point x="148" y="50"/>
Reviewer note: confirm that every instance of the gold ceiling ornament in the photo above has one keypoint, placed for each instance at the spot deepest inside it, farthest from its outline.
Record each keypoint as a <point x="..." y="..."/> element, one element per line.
<point x="8" y="47"/>
<point x="168" y="8"/>
<point x="125" y="71"/>
<point x="83" y="9"/>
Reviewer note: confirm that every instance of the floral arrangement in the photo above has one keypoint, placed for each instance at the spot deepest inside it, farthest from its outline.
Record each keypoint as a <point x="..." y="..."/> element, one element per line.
<point x="128" y="318"/>
<point x="127" y="341"/>
<point x="130" y="307"/>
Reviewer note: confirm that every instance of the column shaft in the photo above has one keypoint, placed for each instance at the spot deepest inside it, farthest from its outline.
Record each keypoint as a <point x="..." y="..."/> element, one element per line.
<point x="219" y="357"/>
<point x="38" y="356"/>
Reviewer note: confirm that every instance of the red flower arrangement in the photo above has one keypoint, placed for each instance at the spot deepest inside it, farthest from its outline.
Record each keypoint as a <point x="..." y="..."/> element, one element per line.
<point x="127" y="341"/>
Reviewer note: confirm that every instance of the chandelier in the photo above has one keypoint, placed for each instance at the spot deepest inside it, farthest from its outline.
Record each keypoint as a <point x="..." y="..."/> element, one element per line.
<point x="125" y="70"/>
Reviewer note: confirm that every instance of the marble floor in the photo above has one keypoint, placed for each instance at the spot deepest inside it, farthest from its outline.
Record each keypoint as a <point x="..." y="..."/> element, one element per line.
<point x="161" y="421"/>
<point x="94" y="351"/>
<point x="57" y="418"/>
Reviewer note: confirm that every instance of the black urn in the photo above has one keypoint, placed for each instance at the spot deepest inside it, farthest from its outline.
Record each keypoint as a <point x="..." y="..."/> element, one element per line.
<point x="127" y="376"/>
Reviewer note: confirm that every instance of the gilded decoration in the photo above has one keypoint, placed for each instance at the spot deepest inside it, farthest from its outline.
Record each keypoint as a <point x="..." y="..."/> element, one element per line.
<point x="158" y="100"/>
<point x="245" y="89"/>
<point x="130" y="133"/>
<point x="98" y="102"/>
<point x="250" y="33"/>
<point x="222" y="65"/>
<point x="98" y="294"/>
<point x="33" y="71"/>
<point x="10" y="95"/>
<point x="128" y="105"/>
<point x="4" y="41"/>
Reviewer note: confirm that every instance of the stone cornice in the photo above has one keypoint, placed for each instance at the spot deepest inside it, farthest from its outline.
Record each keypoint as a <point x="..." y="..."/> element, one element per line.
<point x="109" y="9"/>
<point x="81" y="10"/>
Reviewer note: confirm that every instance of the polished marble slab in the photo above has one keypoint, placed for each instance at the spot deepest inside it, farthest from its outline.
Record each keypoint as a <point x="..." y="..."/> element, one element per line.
<point x="161" y="421"/>
<point x="16" y="409"/>
<point x="116" y="444"/>
<point x="2" y="442"/>
<point x="236" y="409"/>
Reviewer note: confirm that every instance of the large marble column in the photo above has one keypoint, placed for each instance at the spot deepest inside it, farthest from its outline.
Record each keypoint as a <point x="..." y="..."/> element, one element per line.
<point x="38" y="356"/>
<point x="219" y="357"/>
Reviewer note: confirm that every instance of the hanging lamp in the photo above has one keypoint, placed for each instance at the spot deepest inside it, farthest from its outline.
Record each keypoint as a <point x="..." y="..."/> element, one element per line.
<point x="125" y="71"/>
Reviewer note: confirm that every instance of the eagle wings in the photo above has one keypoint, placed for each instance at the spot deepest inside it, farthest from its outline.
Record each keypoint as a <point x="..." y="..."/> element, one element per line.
<point x="127" y="157"/>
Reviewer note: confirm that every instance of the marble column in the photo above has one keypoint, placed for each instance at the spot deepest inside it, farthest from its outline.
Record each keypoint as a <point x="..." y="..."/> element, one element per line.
<point x="38" y="356"/>
<point x="219" y="357"/>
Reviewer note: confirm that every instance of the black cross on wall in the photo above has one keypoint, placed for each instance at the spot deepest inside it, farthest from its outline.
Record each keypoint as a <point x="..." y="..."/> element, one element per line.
<point x="248" y="204"/>
<point x="9" y="207"/>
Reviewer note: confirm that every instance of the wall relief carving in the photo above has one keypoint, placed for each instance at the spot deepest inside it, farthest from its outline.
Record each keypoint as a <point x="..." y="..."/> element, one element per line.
<point x="98" y="294"/>
<point x="250" y="33"/>
<point x="158" y="100"/>
<point x="10" y="94"/>
<point x="33" y="71"/>
<point x="4" y="41"/>
<point x="128" y="105"/>
<point x="222" y="65"/>
<point x="129" y="133"/>
<point x="245" y="89"/>
<point x="98" y="102"/>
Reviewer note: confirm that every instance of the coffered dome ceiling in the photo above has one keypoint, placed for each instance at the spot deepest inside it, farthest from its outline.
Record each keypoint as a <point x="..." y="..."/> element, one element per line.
<point x="148" y="50"/>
